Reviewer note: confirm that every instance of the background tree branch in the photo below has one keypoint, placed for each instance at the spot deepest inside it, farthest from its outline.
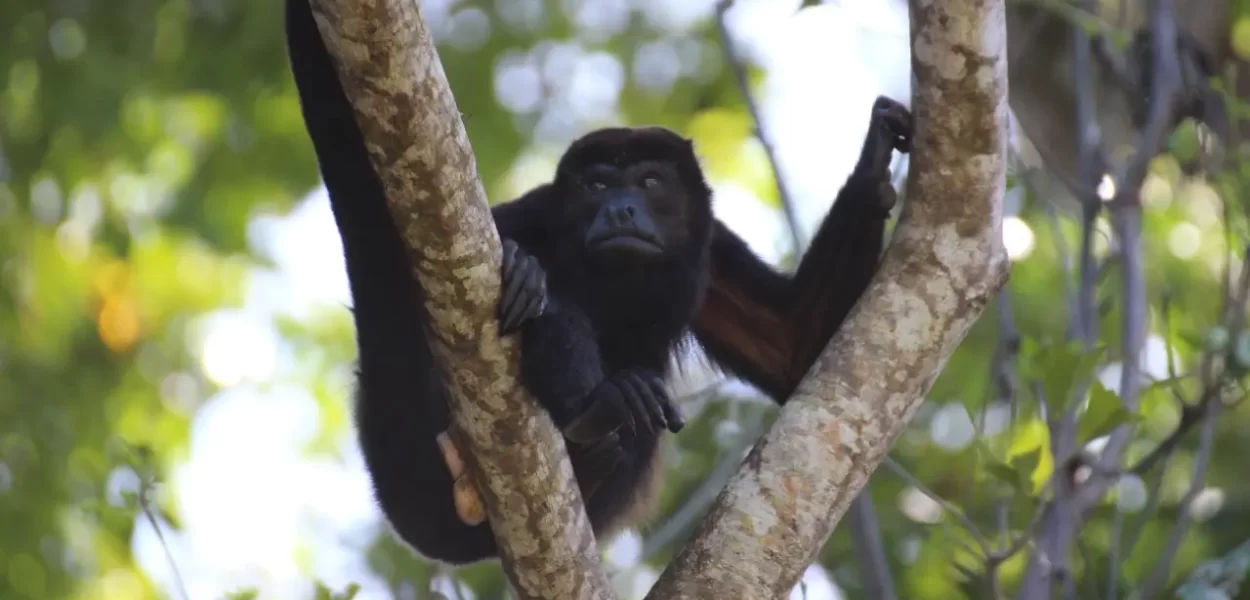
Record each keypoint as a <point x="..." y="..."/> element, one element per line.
<point x="945" y="263"/>
<point x="391" y="72"/>
<point x="1041" y="37"/>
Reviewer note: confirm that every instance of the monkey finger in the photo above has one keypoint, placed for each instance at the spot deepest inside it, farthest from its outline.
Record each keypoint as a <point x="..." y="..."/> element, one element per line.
<point x="625" y="413"/>
<point x="887" y="197"/>
<point x="510" y="249"/>
<point x="602" y="456"/>
<point x="509" y="320"/>
<point x="672" y="412"/>
<point x="508" y="256"/>
<point x="654" y="396"/>
<point x="506" y="313"/>
<point x="507" y="324"/>
<point x="676" y="422"/>
<point x="634" y="405"/>
<point x="599" y="421"/>
<point x="512" y="297"/>
<point x="653" y="414"/>
<point x="537" y="304"/>
<point x="535" y="289"/>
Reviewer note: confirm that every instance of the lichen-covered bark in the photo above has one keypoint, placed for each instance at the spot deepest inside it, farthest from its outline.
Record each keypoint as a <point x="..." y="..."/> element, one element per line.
<point x="417" y="143"/>
<point x="944" y="264"/>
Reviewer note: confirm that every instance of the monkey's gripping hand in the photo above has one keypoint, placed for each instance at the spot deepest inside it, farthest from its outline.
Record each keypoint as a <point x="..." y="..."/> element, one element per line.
<point x="524" y="288"/>
<point x="889" y="129"/>
<point x="633" y="397"/>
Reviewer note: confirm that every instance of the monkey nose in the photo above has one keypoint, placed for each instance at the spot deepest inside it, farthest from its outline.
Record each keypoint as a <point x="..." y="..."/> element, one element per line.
<point x="621" y="215"/>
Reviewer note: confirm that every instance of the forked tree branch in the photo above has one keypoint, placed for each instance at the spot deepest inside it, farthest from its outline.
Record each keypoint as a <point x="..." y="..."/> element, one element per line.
<point x="392" y="75"/>
<point x="945" y="263"/>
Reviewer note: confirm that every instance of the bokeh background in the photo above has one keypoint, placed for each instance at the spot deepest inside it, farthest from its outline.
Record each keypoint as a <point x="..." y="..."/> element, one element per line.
<point x="176" y="348"/>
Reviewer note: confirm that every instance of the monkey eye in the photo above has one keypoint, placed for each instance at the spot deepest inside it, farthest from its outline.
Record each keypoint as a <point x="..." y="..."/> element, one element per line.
<point x="651" y="182"/>
<point x="595" y="185"/>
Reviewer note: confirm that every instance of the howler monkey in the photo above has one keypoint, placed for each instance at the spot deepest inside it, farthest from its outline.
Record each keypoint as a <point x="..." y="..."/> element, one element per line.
<point x="606" y="269"/>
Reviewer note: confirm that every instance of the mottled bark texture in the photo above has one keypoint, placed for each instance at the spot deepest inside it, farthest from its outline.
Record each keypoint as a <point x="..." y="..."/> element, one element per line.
<point x="945" y="263"/>
<point x="417" y="143"/>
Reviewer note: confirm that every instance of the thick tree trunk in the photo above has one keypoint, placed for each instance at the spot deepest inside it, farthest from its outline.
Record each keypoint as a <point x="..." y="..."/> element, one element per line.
<point x="944" y="265"/>
<point x="391" y="73"/>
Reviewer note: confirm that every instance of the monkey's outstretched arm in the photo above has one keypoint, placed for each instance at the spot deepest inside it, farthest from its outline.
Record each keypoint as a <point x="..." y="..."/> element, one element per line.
<point x="768" y="328"/>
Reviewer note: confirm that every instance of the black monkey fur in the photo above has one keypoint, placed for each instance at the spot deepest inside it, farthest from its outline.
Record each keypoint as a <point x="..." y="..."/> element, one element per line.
<point x="598" y="314"/>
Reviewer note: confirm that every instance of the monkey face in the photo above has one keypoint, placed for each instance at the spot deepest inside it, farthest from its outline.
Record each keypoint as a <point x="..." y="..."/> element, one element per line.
<point x="634" y="195"/>
<point x="635" y="211"/>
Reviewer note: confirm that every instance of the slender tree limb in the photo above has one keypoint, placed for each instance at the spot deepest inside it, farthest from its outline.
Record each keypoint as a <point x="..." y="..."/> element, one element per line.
<point x="1206" y="411"/>
<point x="1157" y="577"/>
<point x="1069" y="509"/>
<point x="1092" y="167"/>
<point x="706" y="492"/>
<point x="874" y="565"/>
<point x="945" y="263"/>
<point x="1126" y="223"/>
<point x="391" y="73"/>
<point x="740" y="77"/>
<point x="983" y="543"/>
<point x="865" y="528"/>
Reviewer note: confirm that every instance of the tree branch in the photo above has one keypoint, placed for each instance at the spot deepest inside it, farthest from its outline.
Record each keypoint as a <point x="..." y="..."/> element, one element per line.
<point x="740" y="78"/>
<point x="1069" y="509"/>
<point x="391" y="73"/>
<point x="945" y="263"/>
<point x="865" y="527"/>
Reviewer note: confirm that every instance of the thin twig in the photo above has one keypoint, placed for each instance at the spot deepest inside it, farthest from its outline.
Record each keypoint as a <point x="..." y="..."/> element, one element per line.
<point x="702" y="496"/>
<point x="1148" y="512"/>
<point x="866" y="534"/>
<point x="146" y="488"/>
<point x="865" y="528"/>
<point x="1157" y="577"/>
<point x="1065" y="261"/>
<point x="1003" y="373"/>
<point x="1190" y="416"/>
<point x="740" y="77"/>
<point x="1126" y="214"/>
<point x="1093" y="162"/>
<point x="1064" y="519"/>
<point x="902" y="473"/>
<point x="1204" y="409"/>
<point x="1029" y="531"/>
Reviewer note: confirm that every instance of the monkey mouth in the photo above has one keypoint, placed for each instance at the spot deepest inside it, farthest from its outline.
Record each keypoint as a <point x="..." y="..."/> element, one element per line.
<point x="631" y="242"/>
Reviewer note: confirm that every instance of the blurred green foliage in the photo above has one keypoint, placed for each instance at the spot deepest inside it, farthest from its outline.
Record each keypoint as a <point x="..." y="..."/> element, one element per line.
<point x="139" y="137"/>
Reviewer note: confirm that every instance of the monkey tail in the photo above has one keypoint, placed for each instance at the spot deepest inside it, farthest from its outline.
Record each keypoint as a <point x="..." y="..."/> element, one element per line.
<point x="401" y="402"/>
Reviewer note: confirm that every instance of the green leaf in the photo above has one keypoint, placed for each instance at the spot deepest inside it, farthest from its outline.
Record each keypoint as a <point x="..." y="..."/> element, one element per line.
<point x="1104" y="413"/>
<point x="1062" y="367"/>
<point x="1183" y="142"/>
<point x="1027" y="463"/>
<point x="1020" y="470"/>
<point x="1239" y="38"/>
<point x="1007" y="474"/>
